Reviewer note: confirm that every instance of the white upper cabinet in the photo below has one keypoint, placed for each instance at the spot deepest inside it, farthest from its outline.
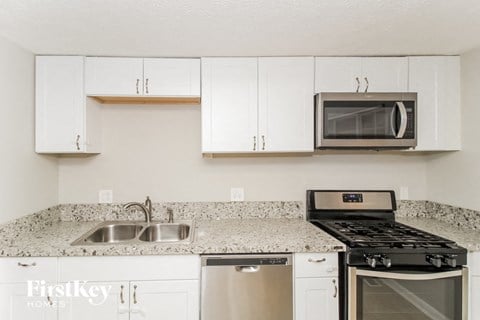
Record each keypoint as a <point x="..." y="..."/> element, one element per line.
<point x="134" y="77"/>
<point x="113" y="76"/>
<point x="257" y="105"/>
<point x="172" y="77"/>
<point x="286" y="104"/>
<point x="389" y="74"/>
<point x="66" y="121"/>
<point x="229" y="104"/>
<point x="355" y="74"/>
<point x="337" y="74"/>
<point x="437" y="82"/>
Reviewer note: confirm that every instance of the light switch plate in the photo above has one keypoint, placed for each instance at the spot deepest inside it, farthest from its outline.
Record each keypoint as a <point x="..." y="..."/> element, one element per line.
<point x="105" y="196"/>
<point x="237" y="194"/>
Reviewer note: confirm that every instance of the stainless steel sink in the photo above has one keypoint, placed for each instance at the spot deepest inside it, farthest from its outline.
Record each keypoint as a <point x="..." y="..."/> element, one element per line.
<point x="165" y="232"/>
<point x="114" y="233"/>
<point x="126" y="232"/>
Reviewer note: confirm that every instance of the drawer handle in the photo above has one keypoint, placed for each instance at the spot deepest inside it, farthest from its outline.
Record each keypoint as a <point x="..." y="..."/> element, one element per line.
<point x="317" y="260"/>
<point x="25" y="265"/>
<point x="50" y="302"/>
<point x="122" y="300"/>
<point x="135" y="295"/>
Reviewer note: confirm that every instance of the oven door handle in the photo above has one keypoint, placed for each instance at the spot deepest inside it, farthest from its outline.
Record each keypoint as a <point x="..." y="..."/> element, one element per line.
<point x="408" y="276"/>
<point x="403" y="119"/>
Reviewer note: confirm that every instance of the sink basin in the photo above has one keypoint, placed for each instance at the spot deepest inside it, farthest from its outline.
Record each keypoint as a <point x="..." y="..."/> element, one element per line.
<point x="114" y="233"/>
<point x="165" y="232"/>
<point x="125" y="232"/>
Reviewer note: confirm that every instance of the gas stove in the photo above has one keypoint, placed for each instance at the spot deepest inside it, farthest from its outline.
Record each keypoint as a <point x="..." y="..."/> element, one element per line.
<point x="365" y="222"/>
<point x="419" y="273"/>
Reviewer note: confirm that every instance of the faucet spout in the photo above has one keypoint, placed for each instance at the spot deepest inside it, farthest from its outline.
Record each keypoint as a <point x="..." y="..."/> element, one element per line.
<point x="145" y="208"/>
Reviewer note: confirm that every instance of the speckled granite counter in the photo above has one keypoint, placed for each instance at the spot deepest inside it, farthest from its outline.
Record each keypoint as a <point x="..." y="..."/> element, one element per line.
<point x="210" y="236"/>
<point x="467" y="238"/>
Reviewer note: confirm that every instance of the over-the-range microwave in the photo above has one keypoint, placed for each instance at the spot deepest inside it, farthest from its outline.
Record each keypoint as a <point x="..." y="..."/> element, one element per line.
<point x="366" y="120"/>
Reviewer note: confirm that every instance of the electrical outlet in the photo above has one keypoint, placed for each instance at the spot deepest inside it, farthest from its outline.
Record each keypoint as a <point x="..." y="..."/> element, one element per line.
<point x="403" y="193"/>
<point x="105" y="196"/>
<point x="237" y="194"/>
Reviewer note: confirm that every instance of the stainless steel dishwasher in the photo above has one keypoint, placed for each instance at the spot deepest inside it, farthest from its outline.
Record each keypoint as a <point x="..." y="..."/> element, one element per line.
<point x="247" y="287"/>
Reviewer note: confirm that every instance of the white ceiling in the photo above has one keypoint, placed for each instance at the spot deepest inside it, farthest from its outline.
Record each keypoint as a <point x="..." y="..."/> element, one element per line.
<point x="242" y="27"/>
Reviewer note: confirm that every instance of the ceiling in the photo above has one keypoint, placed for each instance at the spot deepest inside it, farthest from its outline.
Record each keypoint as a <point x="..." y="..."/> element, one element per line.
<point x="241" y="27"/>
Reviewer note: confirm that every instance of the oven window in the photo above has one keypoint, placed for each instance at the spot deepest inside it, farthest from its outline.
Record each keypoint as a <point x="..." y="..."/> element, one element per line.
<point x="389" y="299"/>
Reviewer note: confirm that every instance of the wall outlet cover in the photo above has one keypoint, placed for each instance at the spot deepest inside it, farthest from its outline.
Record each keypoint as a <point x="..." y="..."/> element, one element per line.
<point x="105" y="196"/>
<point x="404" y="193"/>
<point x="237" y="194"/>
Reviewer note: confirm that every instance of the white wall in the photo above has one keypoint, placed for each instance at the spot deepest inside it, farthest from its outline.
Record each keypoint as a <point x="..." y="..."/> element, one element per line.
<point x="455" y="178"/>
<point x="28" y="182"/>
<point x="155" y="150"/>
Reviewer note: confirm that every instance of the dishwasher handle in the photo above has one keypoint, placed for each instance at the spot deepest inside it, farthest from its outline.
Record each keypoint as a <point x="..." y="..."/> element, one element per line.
<point x="245" y="262"/>
<point x="247" y="269"/>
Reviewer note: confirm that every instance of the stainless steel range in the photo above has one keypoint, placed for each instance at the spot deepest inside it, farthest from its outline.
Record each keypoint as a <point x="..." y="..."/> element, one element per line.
<point x="389" y="270"/>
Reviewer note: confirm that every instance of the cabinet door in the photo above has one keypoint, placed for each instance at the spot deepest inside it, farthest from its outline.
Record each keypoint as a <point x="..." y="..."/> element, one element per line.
<point x="59" y="104"/>
<point x="475" y="298"/>
<point x="316" y="299"/>
<point x="113" y="76"/>
<point x="337" y="74"/>
<point x="229" y="105"/>
<point x="172" y="77"/>
<point x="437" y="82"/>
<point x="15" y="304"/>
<point x="385" y="74"/>
<point x="114" y="307"/>
<point x="166" y="300"/>
<point x="286" y="104"/>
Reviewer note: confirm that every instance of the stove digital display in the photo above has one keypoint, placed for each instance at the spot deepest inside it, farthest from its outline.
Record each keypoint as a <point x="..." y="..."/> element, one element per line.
<point x="352" y="197"/>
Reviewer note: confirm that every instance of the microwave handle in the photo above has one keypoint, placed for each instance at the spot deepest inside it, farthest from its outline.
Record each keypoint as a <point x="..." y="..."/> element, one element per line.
<point x="403" y="119"/>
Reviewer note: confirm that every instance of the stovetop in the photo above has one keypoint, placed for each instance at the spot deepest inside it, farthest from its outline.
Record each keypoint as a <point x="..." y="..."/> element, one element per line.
<point x="382" y="234"/>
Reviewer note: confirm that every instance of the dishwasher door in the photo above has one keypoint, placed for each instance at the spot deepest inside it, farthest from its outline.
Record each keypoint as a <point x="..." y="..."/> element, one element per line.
<point x="247" y="287"/>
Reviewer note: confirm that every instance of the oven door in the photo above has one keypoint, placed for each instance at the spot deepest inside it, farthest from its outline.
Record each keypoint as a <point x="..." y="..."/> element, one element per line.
<point x="407" y="295"/>
<point x="362" y="121"/>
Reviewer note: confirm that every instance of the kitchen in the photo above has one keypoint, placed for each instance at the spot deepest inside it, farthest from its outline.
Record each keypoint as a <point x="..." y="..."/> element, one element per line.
<point x="87" y="129"/>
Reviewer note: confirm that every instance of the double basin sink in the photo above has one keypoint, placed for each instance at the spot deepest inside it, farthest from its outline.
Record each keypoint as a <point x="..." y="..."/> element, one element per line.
<point x="127" y="232"/>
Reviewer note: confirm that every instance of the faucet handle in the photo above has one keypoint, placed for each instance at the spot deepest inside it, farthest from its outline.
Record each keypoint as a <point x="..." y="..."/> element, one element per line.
<point x="170" y="215"/>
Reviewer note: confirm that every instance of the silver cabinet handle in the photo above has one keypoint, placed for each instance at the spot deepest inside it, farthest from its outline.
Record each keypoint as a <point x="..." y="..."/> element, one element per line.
<point x="366" y="81"/>
<point x="317" y="260"/>
<point x="254" y="143"/>
<point x="135" y="295"/>
<point x="25" y="265"/>
<point x="358" y="84"/>
<point x="336" y="288"/>
<point x="146" y="86"/>
<point x="138" y="84"/>
<point x="77" y="142"/>
<point x="263" y="142"/>
<point x="122" y="301"/>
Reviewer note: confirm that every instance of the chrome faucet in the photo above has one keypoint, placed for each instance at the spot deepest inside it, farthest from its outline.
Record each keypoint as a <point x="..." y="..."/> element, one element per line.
<point x="146" y="208"/>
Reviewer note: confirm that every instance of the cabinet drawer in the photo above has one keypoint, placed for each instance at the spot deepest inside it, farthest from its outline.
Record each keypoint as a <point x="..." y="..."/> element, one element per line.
<point x="14" y="270"/>
<point x="179" y="267"/>
<point x="316" y="265"/>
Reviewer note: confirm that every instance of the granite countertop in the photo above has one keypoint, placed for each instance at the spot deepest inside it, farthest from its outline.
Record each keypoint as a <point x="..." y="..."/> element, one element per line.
<point x="469" y="239"/>
<point x="210" y="237"/>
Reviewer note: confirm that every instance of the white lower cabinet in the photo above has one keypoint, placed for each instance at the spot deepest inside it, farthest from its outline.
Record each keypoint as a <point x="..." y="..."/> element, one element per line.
<point x="316" y="299"/>
<point x="15" y="304"/>
<point x="316" y="286"/>
<point x="112" y="306"/>
<point x="474" y="270"/>
<point x="166" y="300"/>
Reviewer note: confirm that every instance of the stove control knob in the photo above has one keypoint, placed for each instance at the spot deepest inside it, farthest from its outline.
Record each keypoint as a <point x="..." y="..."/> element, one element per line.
<point x="450" y="261"/>
<point x="435" y="260"/>
<point x="371" y="261"/>
<point x="386" y="261"/>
